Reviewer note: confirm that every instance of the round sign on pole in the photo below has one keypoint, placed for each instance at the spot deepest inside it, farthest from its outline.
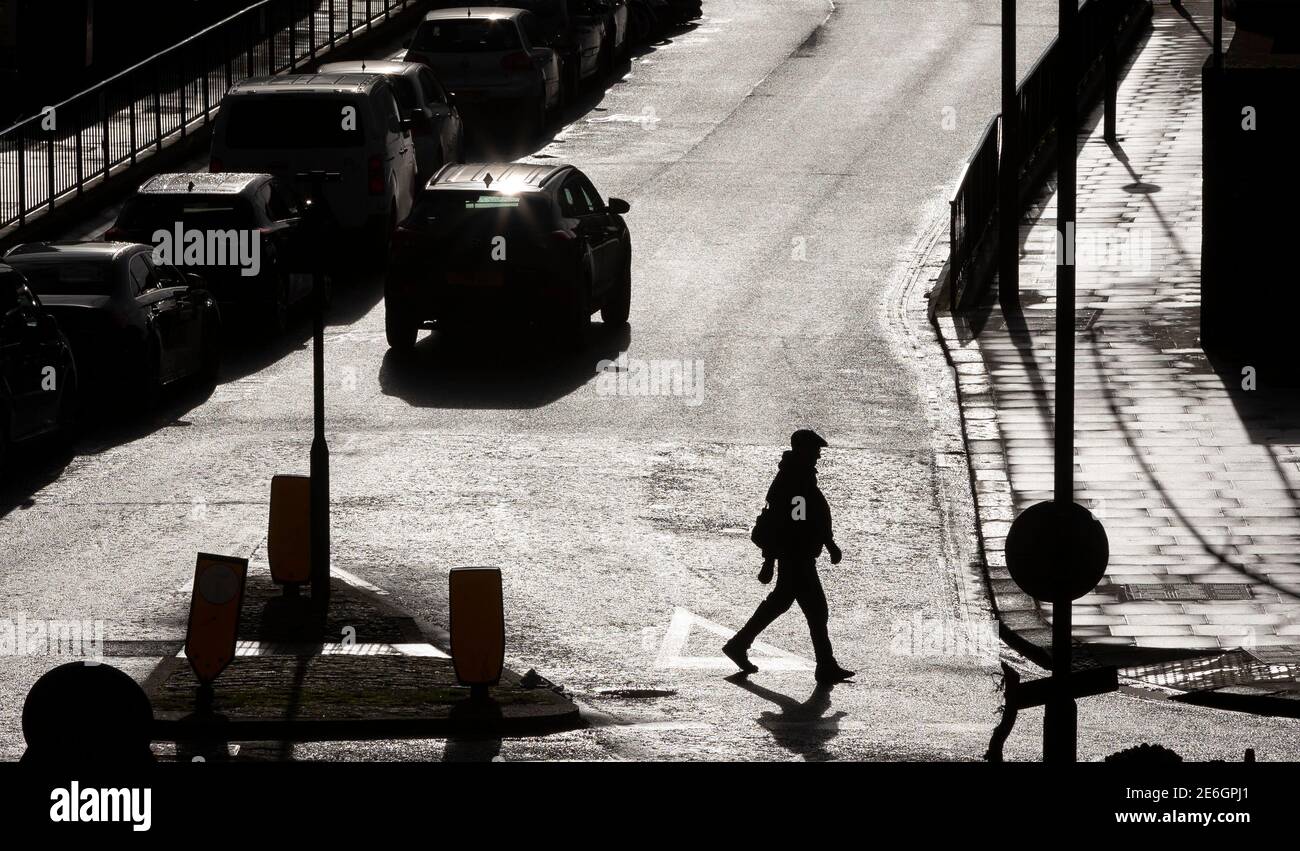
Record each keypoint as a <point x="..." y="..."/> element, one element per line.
<point x="1057" y="551"/>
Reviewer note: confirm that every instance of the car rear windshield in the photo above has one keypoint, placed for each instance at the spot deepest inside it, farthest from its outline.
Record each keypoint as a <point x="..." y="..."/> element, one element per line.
<point x="294" y="122"/>
<point x="64" y="276"/>
<point x="441" y="205"/>
<point x="468" y="36"/>
<point x="540" y="8"/>
<point x="404" y="89"/>
<point x="151" y="212"/>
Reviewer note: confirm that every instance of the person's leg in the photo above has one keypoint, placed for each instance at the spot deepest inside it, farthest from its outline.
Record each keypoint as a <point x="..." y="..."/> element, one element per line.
<point x="812" y="599"/>
<point x="776" y="604"/>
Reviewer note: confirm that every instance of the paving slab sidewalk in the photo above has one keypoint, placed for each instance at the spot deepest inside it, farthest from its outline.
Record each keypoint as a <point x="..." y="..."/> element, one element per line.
<point x="368" y="672"/>
<point x="1196" y="479"/>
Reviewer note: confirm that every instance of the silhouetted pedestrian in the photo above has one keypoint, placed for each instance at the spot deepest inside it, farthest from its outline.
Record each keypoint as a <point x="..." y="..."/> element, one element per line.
<point x="792" y="530"/>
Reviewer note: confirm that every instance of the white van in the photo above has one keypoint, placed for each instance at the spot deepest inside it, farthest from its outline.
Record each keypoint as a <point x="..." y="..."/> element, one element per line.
<point x="346" y="123"/>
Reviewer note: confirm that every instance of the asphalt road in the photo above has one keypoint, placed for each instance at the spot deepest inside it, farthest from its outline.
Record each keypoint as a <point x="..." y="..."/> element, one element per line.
<point x="787" y="162"/>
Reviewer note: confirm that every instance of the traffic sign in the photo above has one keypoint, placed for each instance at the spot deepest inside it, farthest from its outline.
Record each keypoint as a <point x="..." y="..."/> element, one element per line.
<point x="1057" y="552"/>
<point x="477" y="625"/>
<point x="288" y="545"/>
<point x="214" y="614"/>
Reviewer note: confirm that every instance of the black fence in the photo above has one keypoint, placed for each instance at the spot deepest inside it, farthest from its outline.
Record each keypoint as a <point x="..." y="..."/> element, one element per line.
<point x="974" y="204"/>
<point x="99" y="133"/>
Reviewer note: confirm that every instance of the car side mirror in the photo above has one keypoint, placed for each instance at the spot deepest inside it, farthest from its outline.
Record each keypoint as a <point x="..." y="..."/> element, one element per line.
<point x="618" y="206"/>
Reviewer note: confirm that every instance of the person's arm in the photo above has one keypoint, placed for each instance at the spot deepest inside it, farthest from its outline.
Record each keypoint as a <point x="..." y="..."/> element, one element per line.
<point x="831" y="547"/>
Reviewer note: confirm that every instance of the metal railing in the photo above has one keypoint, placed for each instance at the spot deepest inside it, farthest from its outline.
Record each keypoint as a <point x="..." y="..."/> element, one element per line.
<point x="98" y="133"/>
<point x="974" y="203"/>
<point x="973" y="206"/>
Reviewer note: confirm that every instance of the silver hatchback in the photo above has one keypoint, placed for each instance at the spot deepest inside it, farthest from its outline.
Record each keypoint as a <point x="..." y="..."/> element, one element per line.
<point x="491" y="56"/>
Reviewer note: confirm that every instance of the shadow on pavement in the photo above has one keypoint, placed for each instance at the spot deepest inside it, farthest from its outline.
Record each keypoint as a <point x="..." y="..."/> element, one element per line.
<point x="803" y="728"/>
<point x="480" y="369"/>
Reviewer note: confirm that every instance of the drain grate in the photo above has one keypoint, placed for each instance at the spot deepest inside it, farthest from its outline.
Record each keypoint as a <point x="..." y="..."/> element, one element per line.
<point x="971" y="324"/>
<point x="640" y="693"/>
<point x="1185" y="591"/>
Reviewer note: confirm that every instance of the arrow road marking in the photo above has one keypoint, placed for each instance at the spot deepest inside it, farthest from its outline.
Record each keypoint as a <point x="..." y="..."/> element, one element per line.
<point x="767" y="657"/>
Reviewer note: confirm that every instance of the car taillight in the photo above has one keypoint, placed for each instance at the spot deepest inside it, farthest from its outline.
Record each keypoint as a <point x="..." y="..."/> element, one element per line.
<point x="115" y="234"/>
<point x="515" y="62"/>
<point x="216" y="166"/>
<point x="563" y="235"/>
<point x="375" y="173"/>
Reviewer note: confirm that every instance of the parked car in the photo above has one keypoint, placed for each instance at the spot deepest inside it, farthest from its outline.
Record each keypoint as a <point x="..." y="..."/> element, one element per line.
<point x="435" y="122"/>
<point x="250" y="238"/>
<point x="348" y="124"/>
<point x="652" y="19"/>
<point x="133" y="324"/>
<point x="509" y="241"/>
<point x="617" y="27"/>
<point x="575" y="29"/>
<point x="495" y="57"/>
<point x="38" y="373"/>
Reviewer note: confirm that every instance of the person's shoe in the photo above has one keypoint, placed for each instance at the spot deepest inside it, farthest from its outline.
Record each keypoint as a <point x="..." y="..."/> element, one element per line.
<point x="740" y="657"/>
<point x="765" y="575"/>
<point x="832" y="673"/>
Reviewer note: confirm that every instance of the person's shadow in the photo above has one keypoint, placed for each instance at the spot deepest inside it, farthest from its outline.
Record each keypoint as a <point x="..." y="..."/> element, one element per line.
<point x="802" y="728"/>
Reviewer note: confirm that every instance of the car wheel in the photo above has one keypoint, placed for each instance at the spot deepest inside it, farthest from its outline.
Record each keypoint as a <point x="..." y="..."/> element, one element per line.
<point x="619" y="305"/>
<point x="539" y="116"/>
<point x="607" y="58"/>
<point x="577" y="319"/>
<point x="211" y="367"/>
<point x="150" y="379"/>
<point x="278" y="320"/>
<point x="400" y="329"/>
<point x="69" y="406"/>
<point x="382" y="239"/>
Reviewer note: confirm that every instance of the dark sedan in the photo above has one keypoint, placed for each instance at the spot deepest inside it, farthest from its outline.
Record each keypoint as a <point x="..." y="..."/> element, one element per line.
<point x="134" y="324"/>
<point x="508" y="241"/>
<point x="38" y="376"/>
<point x="240" y="232"/>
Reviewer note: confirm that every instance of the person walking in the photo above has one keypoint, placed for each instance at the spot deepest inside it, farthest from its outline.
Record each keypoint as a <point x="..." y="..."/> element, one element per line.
<point x="792" y="531"/>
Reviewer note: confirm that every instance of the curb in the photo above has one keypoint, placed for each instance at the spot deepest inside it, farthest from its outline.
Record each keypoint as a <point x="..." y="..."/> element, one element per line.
<point x="475" y="721"/>
<point x="545" y="710"/>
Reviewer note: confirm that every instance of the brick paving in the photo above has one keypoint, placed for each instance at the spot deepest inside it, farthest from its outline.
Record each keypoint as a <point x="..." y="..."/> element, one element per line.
<point x="1194" y="478"/>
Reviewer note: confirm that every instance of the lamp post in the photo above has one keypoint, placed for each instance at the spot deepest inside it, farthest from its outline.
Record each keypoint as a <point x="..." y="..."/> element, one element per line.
<point x="320" y="453"/>
<point x="1009" y="169"/>
<point x="1060" y="719"/>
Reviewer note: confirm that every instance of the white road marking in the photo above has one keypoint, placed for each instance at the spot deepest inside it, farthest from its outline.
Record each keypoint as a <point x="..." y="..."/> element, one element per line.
<point x="766" y="656"/>
<point x="293" y="648"/>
